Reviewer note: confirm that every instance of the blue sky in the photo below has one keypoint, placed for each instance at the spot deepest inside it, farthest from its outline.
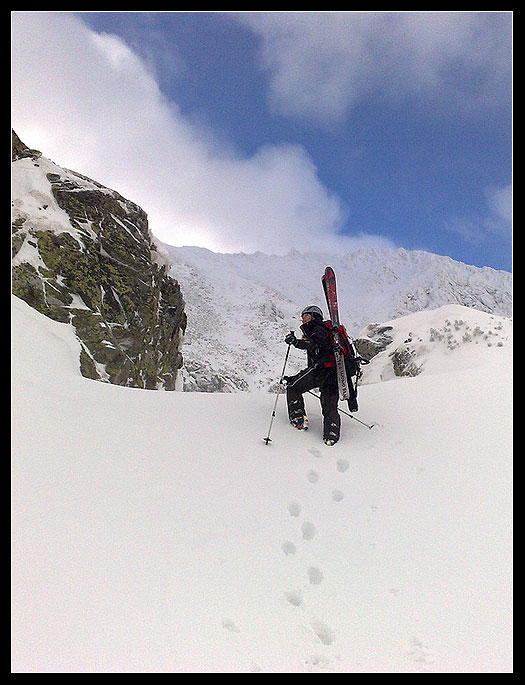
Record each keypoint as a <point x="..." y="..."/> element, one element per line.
<point x="270" y="131"/>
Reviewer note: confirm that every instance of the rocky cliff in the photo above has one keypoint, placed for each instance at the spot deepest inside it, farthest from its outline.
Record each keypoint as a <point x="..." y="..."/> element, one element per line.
<point x="83" y="255"/>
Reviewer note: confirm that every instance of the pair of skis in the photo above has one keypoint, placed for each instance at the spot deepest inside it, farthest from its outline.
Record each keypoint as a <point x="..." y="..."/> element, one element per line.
<point x="330" y="291"/>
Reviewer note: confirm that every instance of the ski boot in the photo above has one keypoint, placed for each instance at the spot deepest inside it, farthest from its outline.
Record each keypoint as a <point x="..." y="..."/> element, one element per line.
<point x="332" y="435"/>
<point x="300" y="422"/>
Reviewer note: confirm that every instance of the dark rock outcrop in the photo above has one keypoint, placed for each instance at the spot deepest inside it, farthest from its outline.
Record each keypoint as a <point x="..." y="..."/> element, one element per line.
<point x="84" y="255"/>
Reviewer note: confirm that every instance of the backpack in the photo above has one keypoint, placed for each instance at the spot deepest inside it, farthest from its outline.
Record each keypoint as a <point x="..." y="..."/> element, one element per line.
<point x="353" y="361"/>
<point x="347" y="347"/>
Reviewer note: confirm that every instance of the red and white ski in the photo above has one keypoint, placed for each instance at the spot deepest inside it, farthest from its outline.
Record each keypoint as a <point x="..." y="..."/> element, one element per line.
<point x="330" y="291"/>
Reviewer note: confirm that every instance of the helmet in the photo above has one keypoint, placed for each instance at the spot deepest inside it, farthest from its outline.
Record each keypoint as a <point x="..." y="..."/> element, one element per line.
<point x="313" y="310"/>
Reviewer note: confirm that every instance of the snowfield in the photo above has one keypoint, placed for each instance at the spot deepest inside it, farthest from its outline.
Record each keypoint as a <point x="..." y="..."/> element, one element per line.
<point x="155" y="532"/>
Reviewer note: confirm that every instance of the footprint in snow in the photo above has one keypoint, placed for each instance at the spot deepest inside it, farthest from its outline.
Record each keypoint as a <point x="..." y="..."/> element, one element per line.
<point x="315" y="576"/>
<point x="294" y="509"/>
<point x="318" y="661"/>
<point x="315" y="452"/>
<point x="313" y="476"/>
<point x="294" y="598"/>
<point x="337" y="495"/>
<point x="227" y="624"/>
<point x="342" y="465"/>
<point x="323" y="632"/>
<point x="288" y="548"/>
<point x="421" y="653"/>
<point x="308" y="530"/>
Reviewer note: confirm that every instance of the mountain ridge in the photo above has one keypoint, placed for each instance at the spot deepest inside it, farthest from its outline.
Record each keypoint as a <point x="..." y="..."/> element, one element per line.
<point x="240" y="306"/>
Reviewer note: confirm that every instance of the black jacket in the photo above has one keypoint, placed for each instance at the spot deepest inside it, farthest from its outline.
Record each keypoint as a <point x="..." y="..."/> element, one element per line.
<point x="316" y="342"/>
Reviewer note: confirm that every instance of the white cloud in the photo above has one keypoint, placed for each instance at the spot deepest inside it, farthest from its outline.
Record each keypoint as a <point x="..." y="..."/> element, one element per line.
<point x="494" y="223"/>
<point x="500" y="203"/>
<point x="321" y="64"/>
<point x="89" y="103"/>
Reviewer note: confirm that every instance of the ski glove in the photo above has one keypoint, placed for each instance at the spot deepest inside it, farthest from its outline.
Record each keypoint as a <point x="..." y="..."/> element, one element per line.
<point x="290" y="339"/>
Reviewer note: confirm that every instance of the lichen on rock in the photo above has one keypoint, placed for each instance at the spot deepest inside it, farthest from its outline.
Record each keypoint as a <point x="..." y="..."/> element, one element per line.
<point x="84" y="255"/>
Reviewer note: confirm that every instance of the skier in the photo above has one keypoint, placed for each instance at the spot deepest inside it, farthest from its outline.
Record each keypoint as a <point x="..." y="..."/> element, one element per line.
<point x="320" y="373"/>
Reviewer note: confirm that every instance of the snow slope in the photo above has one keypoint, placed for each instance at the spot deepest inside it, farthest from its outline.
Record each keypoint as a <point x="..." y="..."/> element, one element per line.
<point x="156" y="532"/>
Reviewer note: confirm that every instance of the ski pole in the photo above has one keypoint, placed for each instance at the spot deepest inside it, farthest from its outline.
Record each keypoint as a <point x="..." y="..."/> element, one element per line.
<point x="267" y="439"/>
<point x="345" y="412"/>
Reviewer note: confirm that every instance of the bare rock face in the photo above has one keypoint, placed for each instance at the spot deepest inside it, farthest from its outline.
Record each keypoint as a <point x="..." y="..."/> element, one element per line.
<point x="376" y="338"/>
<point x="83" y="255"/>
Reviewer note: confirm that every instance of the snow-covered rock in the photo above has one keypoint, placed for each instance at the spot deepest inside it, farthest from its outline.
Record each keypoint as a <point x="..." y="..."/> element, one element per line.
<point x="448" y="338"/>
<point x="84" y="255"/>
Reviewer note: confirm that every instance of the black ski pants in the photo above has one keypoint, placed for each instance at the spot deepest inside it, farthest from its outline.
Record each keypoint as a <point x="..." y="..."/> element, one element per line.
<point x="326" y="380"/>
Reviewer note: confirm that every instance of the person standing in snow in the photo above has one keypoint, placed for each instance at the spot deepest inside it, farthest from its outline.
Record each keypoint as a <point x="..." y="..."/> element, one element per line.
<point x="320" y="373"/>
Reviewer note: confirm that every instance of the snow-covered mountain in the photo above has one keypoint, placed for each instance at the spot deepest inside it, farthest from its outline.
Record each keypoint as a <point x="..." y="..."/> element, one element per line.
<point x="240" y="306"/>
<point x="156" y="532"/>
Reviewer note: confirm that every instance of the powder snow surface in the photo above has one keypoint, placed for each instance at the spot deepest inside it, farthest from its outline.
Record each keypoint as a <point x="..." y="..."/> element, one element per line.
<point x="155" y="532"/>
